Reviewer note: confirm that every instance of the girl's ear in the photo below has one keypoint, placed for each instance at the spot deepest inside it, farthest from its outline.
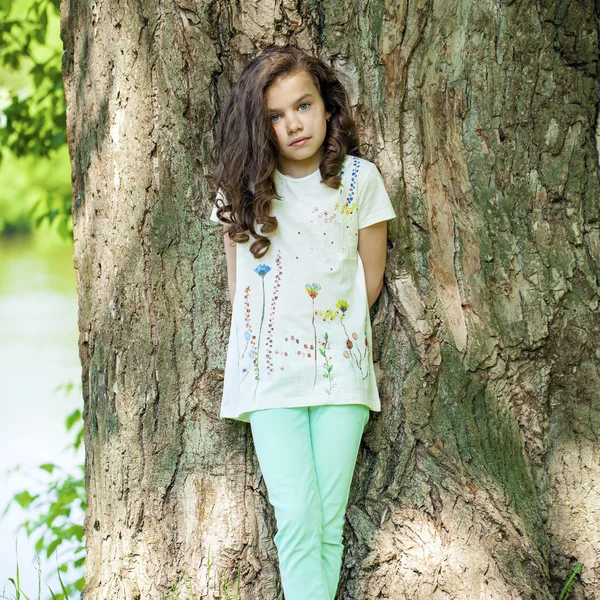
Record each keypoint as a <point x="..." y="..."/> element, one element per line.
<point x="327" y="116"/>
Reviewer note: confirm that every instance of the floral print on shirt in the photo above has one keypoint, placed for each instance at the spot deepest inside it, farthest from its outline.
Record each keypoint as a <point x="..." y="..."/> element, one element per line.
<point x="348" y="204"/>
<point x="352" y="351"/>
<point x="324" y="344"/>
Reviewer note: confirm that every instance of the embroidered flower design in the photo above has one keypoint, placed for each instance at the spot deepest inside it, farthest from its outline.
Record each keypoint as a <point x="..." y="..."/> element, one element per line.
<point x="323" y="349"/>
<point x="328" y="315"/>
<point x="352" y="351"/>
<point x="313" y="290"/>
<point x="348" y="206"/>
<point x="342" y="305"/>
<point x="295" y="347"/>
<point x="325" y="215"/>
<point x="274" y="297"/>
<point x="249" y="337"/>
<point x="262" y="270"/>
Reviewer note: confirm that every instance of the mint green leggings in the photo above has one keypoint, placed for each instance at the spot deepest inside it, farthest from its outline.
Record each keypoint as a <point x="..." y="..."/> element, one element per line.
<point x="307" y="457"/>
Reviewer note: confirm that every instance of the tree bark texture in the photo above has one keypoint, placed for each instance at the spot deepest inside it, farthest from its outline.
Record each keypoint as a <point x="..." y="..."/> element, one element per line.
<point x="480" y="476"/>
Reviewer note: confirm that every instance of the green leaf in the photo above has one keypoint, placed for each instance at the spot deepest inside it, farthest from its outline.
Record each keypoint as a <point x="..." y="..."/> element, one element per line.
<point x="24" y="498"/>
<point x="79" y="563"/>
<point x="61" y="496"/>
<point x="52" y="546"/>
<point x="6" y="6"/>
<point x="74" y="531"/>
<point x="73" y="418"/>
<point x="62" y="585"/>
<point x="79" y="584"/>
<point x="40" y="34"/>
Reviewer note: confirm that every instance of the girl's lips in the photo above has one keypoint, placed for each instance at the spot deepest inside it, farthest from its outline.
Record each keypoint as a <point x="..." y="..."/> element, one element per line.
<point x="300" y="142"/>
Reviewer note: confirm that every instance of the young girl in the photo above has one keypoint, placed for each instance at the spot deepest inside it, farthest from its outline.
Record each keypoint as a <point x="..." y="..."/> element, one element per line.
<point x="299" y="366"/>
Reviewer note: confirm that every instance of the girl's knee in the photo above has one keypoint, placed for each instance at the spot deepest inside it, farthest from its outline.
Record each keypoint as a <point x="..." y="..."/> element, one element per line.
<point x="300" y="525"/>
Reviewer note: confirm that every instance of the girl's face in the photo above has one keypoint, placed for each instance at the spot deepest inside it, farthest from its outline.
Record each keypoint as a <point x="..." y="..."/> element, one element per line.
<point x="296" y="110"/>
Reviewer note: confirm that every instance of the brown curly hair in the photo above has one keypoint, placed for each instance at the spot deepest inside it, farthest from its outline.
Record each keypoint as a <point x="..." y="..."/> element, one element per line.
<point x="246" y="145"/>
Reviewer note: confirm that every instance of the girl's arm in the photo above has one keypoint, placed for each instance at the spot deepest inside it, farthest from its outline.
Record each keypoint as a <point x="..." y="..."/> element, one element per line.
<point x="372" y="247"/>
<point x="230" y="256"/>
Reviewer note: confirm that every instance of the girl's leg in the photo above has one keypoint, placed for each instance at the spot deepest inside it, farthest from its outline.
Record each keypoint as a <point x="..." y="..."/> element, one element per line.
<point x="283" y="447"/>
<point x="336" y="432"/>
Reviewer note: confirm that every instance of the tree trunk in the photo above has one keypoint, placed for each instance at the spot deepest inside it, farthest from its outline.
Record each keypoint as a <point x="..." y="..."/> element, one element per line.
<point x="479" y="478"/>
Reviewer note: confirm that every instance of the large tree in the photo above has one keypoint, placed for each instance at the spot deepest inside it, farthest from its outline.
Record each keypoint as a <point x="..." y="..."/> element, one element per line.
<point x="480" y="476"/>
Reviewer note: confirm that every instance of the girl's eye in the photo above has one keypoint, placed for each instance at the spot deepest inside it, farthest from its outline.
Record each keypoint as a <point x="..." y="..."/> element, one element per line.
<point x="303" y="104"/>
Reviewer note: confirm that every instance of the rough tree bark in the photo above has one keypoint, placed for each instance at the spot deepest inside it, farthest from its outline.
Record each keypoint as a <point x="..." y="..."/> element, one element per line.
<point x="480" y="477"/>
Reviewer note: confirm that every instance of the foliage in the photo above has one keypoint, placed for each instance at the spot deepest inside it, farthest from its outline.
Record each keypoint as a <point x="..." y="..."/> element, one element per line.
<point x="53" y="520"/>
<point x="570" y="582"/>
<point x="33" y="122"/>
<point x="19" y="592"/>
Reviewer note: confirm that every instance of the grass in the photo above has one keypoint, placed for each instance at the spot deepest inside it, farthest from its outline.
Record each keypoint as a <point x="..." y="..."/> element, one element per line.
<point x="20" y="594"/>
<point x="173" y="593"/>
<point x="225" y="585"/>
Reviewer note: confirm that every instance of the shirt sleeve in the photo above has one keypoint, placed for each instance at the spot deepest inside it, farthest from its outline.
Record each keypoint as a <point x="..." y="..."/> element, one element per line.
<point x="374" y="204"/>
<point x="213" y="214"/>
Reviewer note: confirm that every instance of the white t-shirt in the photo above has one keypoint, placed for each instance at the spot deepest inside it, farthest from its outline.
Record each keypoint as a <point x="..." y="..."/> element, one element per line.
<point x="300" y="328"/>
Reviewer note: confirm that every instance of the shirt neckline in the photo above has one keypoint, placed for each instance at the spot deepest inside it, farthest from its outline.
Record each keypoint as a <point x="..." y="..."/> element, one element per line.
<point x="298" y="179"/>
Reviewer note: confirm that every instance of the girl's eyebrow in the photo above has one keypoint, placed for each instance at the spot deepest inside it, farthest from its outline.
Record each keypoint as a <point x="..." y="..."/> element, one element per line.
<point x="301" y="97"/>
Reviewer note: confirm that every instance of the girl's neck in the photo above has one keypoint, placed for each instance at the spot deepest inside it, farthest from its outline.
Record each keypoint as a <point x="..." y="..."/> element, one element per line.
<point x="301" y="168"/>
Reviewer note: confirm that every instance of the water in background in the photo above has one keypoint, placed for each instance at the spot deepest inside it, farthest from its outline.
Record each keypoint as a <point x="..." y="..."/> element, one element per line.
<point x="38" y="352"/>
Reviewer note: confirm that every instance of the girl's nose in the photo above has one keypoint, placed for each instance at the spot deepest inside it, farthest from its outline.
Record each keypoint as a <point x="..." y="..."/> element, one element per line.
<point x="293" y="124"/>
